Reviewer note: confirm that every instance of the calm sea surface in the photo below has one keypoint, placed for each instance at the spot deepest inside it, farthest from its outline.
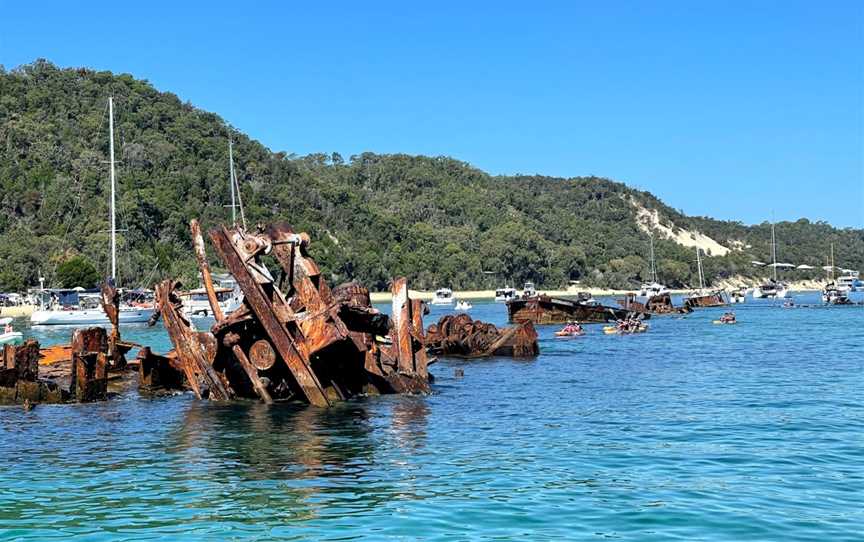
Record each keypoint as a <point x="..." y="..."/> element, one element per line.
<point x="691" y="431"/>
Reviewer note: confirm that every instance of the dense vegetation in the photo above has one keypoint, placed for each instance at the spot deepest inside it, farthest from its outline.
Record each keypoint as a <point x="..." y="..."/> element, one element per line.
<point x="437" y="220"/>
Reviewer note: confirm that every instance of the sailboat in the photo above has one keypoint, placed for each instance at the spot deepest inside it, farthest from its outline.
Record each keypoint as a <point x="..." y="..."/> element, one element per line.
<point x="228" y="293"/>
<point x="653" y="298"/>
<point x="774" y="288"/>
<point x="834" y="293"/>
<point x="703" y="297"/>
<point x="70" y="307"/>
<point x="654" y="288"/>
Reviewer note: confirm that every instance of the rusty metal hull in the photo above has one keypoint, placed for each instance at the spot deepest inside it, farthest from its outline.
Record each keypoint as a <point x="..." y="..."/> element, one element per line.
<point x="556" y="310"/>
<point x="657" y="304"/>
<point x="461" y="336"/>
<point x="293" y="339"/>
<point x="713" y="299"/>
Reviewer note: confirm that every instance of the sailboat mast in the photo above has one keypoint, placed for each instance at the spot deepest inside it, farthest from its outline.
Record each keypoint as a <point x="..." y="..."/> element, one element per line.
<point x="774" y="252"/>
<point x="231" y="172"/>
<point x="112" y="210"/>
<point x="653" y="267"/>
<point x="699" y="266"/>
<point x="832" y="262"/>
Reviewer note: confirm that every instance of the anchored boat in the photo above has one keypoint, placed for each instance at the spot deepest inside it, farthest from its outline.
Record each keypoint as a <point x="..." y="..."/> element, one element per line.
<point x="443" y="296"/>
<point x="68" y="307"/>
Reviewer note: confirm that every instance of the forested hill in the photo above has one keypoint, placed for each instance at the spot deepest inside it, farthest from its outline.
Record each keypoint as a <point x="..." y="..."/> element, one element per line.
<point x="437" y="220"/>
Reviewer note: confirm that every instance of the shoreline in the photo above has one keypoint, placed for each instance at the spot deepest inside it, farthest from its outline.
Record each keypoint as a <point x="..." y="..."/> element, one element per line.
<point x="732" y="284"/>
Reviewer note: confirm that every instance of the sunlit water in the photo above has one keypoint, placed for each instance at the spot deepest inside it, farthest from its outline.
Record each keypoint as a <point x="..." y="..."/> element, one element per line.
<point x="690" y="431"/>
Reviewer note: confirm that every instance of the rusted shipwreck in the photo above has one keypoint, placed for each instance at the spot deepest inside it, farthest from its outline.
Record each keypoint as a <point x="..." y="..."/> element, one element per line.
<point x="458" y="335"/>
<point x="76" y="372"/>
<point x="703" y="299"/>
<point x="542" y="309"/>
<point x="293" y="338"/>
<point x="646" y="305"/>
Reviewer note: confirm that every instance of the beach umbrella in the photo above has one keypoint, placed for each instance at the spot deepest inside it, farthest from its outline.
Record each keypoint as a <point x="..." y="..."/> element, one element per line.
<point x="78" y="289"/>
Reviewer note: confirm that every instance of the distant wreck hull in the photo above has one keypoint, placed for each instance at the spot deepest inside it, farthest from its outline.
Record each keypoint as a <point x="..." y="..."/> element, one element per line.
<point x="463" y="337"/>
<point x="713" y="299"/>
<point x="555" y="310"/>
<point x="656" y="304"/>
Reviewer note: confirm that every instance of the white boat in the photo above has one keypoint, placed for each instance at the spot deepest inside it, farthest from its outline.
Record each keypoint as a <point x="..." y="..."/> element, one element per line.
<point x="773" y="289"/>
<point x="68" y="307"/>
<point x="738" y="296"/>
<point x="505" y="294"/>
<point x="653" y="288"/>
<point x="443" y="296"/>
<point x="463" y="305"/>
<point x="196" y="304"/>
<point x="850" y="281"/>
<point x="528" y="290"/>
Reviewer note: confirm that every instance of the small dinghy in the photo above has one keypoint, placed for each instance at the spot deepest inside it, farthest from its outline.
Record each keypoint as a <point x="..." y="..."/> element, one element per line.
<point x="9" y="336"/>
<point x="463" y="305"/>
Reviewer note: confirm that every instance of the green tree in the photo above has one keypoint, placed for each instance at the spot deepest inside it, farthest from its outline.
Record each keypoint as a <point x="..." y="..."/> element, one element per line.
<point x="77" y="271"/>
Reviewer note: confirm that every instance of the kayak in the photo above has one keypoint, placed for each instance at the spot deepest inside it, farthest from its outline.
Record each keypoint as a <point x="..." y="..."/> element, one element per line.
<point x="13" y="337"/>
<point x="565" y="334"/>
<point x="612" y="330"/>
<point x="721" y="322"/>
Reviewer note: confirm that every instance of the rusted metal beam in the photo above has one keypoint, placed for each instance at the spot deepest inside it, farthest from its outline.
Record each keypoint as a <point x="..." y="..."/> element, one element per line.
<point x="421" y="360"/>
<point x="196" y="351"/>
<point x="89" y="365"/>
<point x="239" y="255"/>
<point x="401" y="334"/>
<point x="204" y="267"/>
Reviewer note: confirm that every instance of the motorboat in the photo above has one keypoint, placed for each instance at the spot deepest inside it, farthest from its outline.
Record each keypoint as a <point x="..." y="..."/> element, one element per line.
<point x="833" y="294"/>
<point x="528" y="290"/>
<point x="850" y="281"/>
<point x="443" y="296"/>
<point x="738" y="296"/>
<point x="771" y="290"/>
<point x="196" y="304"/>
<point x="463" y="305"/>
<point x="505" y="294"/>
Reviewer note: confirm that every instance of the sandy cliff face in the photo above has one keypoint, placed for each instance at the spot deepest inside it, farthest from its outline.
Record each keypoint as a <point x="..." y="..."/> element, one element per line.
<point x="649" y="222"/>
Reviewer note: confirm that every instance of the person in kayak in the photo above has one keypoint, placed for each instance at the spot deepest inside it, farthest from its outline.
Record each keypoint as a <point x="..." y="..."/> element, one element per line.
<point x="728" y="318"/>
<point x="571" y="327"/>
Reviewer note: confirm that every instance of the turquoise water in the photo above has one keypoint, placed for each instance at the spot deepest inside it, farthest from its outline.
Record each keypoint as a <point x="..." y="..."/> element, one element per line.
<point x="691" y="431"/>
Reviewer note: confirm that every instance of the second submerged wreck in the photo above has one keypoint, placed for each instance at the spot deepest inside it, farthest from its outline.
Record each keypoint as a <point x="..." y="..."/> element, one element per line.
<point x="459" y="335"/>
<point x="658" y="303"/>
<point x="543" y="309"/>
<point x="293" y="338"/>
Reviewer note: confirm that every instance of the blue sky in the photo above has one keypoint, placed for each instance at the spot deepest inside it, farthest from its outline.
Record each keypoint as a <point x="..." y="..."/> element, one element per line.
<point x="727" y="109"/>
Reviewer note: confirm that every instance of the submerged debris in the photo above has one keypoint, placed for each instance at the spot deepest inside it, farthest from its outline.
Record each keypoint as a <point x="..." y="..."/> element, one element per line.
<point x="716" y="298"/>
<point x="543" y="309"/>
<point x="461" y="336"/>
<point x="660" y="303"/>
<point x="292" y="338"/>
